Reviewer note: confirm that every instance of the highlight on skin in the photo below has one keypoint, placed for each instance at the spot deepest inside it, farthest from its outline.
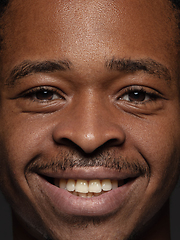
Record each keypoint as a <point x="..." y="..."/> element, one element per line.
<point x="90" y="132"/>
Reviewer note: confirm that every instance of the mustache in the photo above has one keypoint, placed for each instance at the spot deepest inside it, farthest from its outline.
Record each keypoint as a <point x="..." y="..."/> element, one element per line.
<point x="72" y="159"/>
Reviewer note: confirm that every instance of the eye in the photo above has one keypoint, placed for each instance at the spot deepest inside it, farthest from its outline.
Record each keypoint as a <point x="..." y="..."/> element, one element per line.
<point x="43" y="94"/>
<point x="138" y="95"/>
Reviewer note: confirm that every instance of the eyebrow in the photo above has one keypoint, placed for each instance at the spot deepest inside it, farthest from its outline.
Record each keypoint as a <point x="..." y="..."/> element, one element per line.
<point x="148" y="66"/>
<point x="27" y="68"/>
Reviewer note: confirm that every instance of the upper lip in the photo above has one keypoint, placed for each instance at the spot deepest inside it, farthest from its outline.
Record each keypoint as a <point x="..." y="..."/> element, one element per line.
<point x="90" y="173"/>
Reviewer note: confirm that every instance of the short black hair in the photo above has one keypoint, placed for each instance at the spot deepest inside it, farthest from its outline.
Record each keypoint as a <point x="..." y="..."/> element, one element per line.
<point x="176" y="3"/>
<point x="3" y="5"/>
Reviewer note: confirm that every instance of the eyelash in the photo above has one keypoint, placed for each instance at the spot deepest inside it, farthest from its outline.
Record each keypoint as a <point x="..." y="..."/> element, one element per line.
<point x="147" y="96"/>
<point x="151" y="95"/>
<point x="34" y="91"/>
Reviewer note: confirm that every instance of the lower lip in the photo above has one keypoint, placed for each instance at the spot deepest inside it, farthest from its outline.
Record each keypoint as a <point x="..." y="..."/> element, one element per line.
<point x="67" y="203"/>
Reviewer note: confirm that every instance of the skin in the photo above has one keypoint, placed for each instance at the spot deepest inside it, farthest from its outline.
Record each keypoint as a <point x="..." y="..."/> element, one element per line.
<point x="91" y="112"/>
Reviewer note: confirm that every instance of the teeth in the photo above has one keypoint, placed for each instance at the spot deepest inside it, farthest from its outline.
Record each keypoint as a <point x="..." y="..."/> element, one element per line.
<point x="114" y="184"/>
<point x="97" y="194"/>
<point x="75" y="193"/>
<point x="82" y="195"/>
<point x="95" y="186"/>
<point x="106" y="185"/>
<point x="88" y="189"/>
<point x="70" y="186"/>
<point x="90" y="194"/>
<point x="82" y="186"/>
<point x="62" y="183"/>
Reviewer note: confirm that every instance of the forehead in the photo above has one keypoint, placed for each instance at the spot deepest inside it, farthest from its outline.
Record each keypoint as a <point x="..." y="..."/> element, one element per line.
<point x="85" y="31"/>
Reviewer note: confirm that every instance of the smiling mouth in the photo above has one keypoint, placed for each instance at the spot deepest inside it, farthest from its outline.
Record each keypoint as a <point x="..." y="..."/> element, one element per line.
<point x="86" y="192"/>
<point x="88" y="188"/>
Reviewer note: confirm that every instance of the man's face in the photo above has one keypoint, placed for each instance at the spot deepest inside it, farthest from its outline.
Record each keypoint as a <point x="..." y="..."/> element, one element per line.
<point x="89" y="90"/>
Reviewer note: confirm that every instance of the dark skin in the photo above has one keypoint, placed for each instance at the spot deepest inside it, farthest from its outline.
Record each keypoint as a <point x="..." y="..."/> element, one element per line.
<point x="89" y="89"/>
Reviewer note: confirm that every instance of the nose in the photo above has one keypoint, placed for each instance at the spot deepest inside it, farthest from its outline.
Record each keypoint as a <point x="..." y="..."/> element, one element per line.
<point x="89" y="125"/>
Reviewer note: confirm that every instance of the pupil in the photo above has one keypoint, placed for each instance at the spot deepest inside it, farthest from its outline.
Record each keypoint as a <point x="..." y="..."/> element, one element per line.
<point x="137" y="96"/>
<point x="44" y="95"/>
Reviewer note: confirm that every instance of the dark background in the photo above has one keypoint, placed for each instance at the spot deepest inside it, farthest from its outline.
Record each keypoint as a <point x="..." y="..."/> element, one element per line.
<point x="5" y="217"/>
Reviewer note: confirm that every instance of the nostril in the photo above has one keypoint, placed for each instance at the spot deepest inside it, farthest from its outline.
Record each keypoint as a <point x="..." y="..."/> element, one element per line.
<point x="89" y="136"/>
<point x="113" y="142"/>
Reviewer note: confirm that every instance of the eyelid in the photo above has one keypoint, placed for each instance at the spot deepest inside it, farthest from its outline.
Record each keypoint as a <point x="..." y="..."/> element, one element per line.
<point x="152" y="93"/>
<point x="34" y="90"/>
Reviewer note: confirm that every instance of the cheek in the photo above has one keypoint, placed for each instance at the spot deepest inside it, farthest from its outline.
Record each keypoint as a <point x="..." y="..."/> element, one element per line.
<point x="21" y="140"/>
<point x="158" y="143"/>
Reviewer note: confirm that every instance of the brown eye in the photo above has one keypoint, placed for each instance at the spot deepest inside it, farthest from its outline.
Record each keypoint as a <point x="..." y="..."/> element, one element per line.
<point x="137" y="96"/>
<point x="44" y="95"/>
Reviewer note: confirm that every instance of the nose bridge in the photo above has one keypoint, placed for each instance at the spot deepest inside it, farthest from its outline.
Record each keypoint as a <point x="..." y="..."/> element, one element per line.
<point x="89" y="112"/>
<point x="91" y="124"/>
